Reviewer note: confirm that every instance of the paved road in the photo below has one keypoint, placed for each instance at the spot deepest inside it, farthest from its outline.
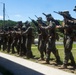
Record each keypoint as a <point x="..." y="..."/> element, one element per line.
<point x="61" y="43"/>
<point x="20" y="66"/>
<point x="0" y="74"/>
<point x="58" y="43"/>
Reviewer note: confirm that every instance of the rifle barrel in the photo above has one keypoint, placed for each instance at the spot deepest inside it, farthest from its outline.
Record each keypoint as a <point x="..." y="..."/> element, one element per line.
<point x="30" y="18"/>
<point x="56" y="12"/>
<point x="36" y="16"/>
<point x="44" y="14"/>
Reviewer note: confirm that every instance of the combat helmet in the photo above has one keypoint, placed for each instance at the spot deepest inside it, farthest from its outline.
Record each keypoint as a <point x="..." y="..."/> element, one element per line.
<point x="20" y="24"/>
<point x="66" y="13"/>
<point x="27" y="24"/>
<point x="49" y="17"/>
<point x="39" y="19"/>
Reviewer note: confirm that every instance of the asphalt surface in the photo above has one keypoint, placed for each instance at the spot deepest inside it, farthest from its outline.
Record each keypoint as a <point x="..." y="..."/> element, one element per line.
<point x="0" y="74"/>
<point x="20" y="66"/>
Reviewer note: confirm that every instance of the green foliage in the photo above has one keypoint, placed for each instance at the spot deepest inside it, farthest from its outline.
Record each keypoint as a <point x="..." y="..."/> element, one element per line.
<point x="1" y="23"/>
<point x="7" y="23"/>
<point x="60" y="22"/>
<point x="10" y="23"/>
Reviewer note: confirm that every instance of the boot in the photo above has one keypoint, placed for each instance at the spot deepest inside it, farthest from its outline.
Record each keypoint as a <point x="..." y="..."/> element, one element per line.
<point x="64" y="66"/>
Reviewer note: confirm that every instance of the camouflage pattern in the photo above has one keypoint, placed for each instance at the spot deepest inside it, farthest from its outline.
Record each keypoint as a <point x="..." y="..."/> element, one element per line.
<point x="42" y="37"/>
<point x="50" y="45"/>
<point x="29" y="36"/>
<point x="68" y="42"/>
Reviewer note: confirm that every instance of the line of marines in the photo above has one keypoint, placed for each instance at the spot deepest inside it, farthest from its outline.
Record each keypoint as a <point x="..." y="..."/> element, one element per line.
<point x="21" y="38"/>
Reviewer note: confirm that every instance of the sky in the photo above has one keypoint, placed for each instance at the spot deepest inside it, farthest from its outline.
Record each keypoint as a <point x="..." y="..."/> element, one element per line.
<point x="21" y="10"/>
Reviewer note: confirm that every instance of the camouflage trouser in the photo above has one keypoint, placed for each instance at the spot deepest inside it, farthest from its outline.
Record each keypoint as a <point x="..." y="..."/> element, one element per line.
<point x="42" y="48"/>
<point x="52" y="48"/>
<point x="29" y="53"/>
<point x="1" y="41"/>
<point x="23" y="49"/>
<point x="68" y="41"/>
<point x="4" y="45"/>
<point x="14" y="44"/>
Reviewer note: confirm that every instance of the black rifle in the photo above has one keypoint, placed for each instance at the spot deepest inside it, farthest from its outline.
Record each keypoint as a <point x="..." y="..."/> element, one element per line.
<point x="35" y="23"/>
<point x="36" y="16"/>
<point x="52" y="19"/>
<point x="65" y="15"/>
<point x="74" y="9"/>
<point x="44" y="14"/>
<point x="30" y="18"/>
<point x="71" y="22"/>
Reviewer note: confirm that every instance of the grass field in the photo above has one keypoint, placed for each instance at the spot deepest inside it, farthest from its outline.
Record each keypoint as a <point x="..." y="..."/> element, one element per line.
<point x="60" y="50"/>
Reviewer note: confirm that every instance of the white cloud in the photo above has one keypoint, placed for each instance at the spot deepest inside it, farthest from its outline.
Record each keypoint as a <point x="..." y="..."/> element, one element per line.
<point x="18" y="15"/>
<point x="1" y="17"/>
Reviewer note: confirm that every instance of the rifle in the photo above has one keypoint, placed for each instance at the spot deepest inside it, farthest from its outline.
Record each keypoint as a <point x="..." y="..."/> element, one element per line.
<point x="65" y="15"/>
<point x="35" y="23"/>
<point x="39" y="19"/>
<point x="36" y="16"/>
<point x="56" y="12"/>
<point x="70" y="19"/>
<point x="30" y="18"/>
<point x="60" y="13"/>
<point x="44" y="14"/>
<point x="74" y="9"/>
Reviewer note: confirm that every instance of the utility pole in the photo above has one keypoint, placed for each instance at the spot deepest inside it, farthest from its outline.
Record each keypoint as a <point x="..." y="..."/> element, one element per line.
<point x="3" y="15"/>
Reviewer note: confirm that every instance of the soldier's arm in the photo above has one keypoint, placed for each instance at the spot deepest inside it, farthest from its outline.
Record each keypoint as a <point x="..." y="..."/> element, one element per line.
<point x="28" y="30"/>
<point x="59" y="27"/>
<point x="42" y="27"/>
<point x="46" y="27"/>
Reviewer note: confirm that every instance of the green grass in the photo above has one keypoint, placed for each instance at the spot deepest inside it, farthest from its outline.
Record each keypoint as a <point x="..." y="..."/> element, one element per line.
<point x="60" y="50"/>
<point x="35" y="51"/>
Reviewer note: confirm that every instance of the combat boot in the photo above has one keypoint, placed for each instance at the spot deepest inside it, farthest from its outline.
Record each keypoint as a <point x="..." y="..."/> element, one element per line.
<point x="64" y="66"/>
<point x="58" y="61"/>
<point x="47" y="61"/>
<point x="40" y="59"/>
<point x="73" y="64"/>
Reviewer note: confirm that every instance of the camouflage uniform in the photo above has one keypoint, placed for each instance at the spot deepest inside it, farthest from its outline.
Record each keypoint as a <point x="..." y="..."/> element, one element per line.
<point x="1" y="39"/>
<point x="29" y="35"/>
<point x="15" y="40"/>
<point x="42" y="37"/>
<point x="10" y="39"/>
<point x="23" y="42"/>
<point x="51" y="40"/>
<point x="68" y="42"/>
<point x="19" y="36"/>
<point x="5" y="40"/>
